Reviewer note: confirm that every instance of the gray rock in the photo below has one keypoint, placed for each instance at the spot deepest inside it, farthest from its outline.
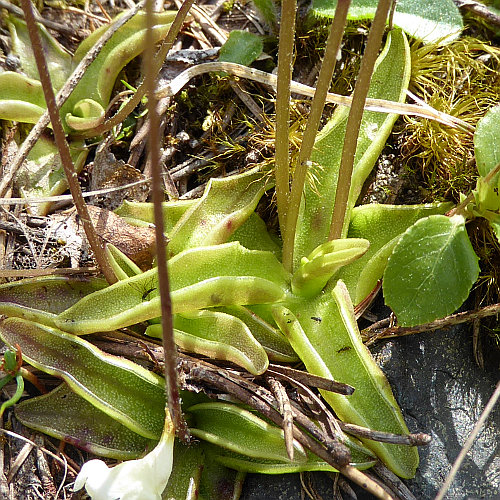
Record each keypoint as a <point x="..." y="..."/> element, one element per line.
<point x="441" y="392"/>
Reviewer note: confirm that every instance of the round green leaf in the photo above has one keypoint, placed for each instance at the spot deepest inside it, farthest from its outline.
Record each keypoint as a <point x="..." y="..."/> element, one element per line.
<point x="438" y="21"/>
<point x="431" y="271"/>
<point x="241" y="47"/>
<point x="487" y="141"/>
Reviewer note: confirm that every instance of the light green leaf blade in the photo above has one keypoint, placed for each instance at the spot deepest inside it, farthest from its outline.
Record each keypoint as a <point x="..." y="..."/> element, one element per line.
<point x="275" y="344"/>
<point x="389" y="81"/>
<point x="324" y="333"/>
<point x="225" y="205"/>
<point x="144" y="212"/>
<point x="242" y="47"/>
<point x="218" y="336"/>
<point x="323" y="262"/>
<point x="262" y="466"/>
<point x="41" y="299"/>
<point x="436" y="21"/>
<point x="128" y="42"/>
<point x="42" y="174"/>
<point x="58" y="59"/>
<point x="431" y="270"/>
<point x="21" y="98"/>
<point x="239" y="430"/>
<point x="487" y="142"/>
<point x="127" y="392"/>
<point x="64" y="415"/>
<point x="201" y="277"/>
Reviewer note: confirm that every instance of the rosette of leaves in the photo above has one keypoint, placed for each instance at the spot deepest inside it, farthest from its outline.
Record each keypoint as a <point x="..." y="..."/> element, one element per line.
<point x="232" y="299"/>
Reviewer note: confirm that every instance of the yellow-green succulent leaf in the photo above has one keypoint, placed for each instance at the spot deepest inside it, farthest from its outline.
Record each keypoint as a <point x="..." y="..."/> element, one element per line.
<point x="200" y="277"/>
<point x="42" y="299"/>
<point x="218" y="336"/>
<point x="127" y="392"/>
<point x="241" y="431"/>
<point x="225" y="205"/>
<point x="323" y="262"/>
<point x="328" y="342"/>
<point x="65" y="415"/>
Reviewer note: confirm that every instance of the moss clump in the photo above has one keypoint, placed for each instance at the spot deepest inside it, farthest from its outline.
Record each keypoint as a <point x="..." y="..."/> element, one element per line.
<point x="463" y="80"/>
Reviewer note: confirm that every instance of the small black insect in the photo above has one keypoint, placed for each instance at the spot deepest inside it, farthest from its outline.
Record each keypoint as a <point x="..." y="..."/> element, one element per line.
<point x="146" y="293"/>
<point x="315" y="318"/>
<point x="344" y="349"/>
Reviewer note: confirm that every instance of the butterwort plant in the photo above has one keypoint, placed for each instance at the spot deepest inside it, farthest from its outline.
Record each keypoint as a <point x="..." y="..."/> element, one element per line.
<point x="239" y="294"/>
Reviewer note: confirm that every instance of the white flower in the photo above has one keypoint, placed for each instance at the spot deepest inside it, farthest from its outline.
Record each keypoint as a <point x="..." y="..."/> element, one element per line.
<point x="142" y="479"/>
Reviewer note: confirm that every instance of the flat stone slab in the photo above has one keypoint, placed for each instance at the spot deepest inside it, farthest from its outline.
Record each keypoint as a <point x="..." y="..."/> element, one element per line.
<point x="442" y="392"/>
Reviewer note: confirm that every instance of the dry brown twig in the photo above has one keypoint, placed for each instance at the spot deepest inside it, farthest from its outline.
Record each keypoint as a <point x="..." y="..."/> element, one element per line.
<point x="62" y="144"/>
<point x="379" y="331"/>
<point x="169" y="347"/>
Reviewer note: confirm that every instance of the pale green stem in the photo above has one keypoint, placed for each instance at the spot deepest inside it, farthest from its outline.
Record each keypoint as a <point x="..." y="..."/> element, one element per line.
<point x="285" y="53"/>
<point x="460" y="208"/>
<point x="317" y="106"/>
<point x="355" y="116"/>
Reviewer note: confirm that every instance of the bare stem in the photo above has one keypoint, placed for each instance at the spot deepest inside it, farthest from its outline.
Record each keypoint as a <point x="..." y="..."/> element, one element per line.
<point x="355" y="116"/>
<point x="62" y="145"/>
<point x="169" y="347"/>
<point x="470" y="441"/>
<point x="285" y="53"/>
<point x="317" y="106"/>
<point x="373" y="332"/>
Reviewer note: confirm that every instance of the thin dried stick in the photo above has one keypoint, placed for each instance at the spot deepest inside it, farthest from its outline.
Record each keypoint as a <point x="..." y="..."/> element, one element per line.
<point x="417" y="439"/>
<point x="479" y="10"/>
<point x="371" y="333"/>
<point x="312" y="380"/>
<point x="285" y="53"/>
<point x="248" y="397"/>
<point x="286" y="410"/>
<point x="169" y="347"/>
<point x="62" y="145"/>
<point x="395" y="483"/>
<point x="62" y="95"/>
<point x="468" y="444"/>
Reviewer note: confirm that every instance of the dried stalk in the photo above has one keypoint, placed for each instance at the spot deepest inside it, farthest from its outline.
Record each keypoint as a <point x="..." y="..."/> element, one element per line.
<point x="286" y="410"/>
<point x="169" y="347"/>
<point x="354" y="119"/>
<point x="373" y="333"/>
<point x="470" y="441"/>
<point x="62" y="145"/>
<point x="285" y="53"/>
<point x="312" y="380"/>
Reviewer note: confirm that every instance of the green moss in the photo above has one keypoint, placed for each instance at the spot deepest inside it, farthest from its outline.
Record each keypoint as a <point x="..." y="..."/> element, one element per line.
<point x="461" y="79"/>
